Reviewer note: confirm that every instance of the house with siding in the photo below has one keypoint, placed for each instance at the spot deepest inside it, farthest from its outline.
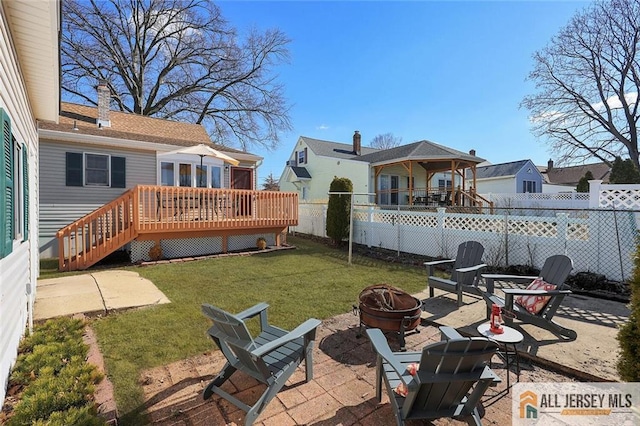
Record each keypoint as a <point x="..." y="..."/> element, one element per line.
<point x="93" y="155"/>
<point x="29" y="94"/>
<point x="420" y="173"/>
<point x="565" y="179"/>
<point x="515" y="177"/>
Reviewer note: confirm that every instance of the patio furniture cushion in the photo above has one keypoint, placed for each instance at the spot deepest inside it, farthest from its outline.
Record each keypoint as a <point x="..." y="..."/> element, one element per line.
<point x="535" y="303"/>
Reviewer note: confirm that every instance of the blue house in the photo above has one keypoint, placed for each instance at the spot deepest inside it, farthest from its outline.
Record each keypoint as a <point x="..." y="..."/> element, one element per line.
<point x="515" y="177"/>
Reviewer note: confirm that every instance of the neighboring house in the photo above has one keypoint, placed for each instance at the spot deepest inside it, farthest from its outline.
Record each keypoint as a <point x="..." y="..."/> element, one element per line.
<point x="565" y="179"/>
<point x="509" y="178"/>
<point x="29" y="93"/>
<point x="405" y="175"/>
<point x="93" y="155"/>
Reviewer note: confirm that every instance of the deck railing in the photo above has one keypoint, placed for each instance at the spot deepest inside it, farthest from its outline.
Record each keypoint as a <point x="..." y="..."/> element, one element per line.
<point x="161" y="211"/>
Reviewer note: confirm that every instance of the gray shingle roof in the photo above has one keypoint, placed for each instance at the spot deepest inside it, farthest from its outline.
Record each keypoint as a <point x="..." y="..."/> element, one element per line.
<point x="502" y="169"/>
<point x="335" y="149"/>
<point x="422" y="150"/>
<point x="425" y="150"/>
<point x="572" y="175"/>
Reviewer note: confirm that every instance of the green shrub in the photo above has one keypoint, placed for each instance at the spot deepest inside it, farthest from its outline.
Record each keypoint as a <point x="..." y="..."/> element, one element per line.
<point x="51" y="357"/>
<point x="58" y="383"/>
<point x="53" y="331"/>
<point x="85" y="416"/>
<point x="629" y="333"/>
<point x="338" y="210"/>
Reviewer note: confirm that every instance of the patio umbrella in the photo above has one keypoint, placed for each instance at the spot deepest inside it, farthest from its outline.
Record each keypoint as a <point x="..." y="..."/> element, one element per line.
<point x="205" y="151"/>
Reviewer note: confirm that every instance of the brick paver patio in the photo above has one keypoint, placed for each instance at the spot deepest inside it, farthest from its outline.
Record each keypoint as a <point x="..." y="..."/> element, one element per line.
<point x="342" y="392"/>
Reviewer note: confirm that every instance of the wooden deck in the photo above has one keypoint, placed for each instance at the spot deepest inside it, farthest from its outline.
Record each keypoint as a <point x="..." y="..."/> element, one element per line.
<point x="160" y="212"/>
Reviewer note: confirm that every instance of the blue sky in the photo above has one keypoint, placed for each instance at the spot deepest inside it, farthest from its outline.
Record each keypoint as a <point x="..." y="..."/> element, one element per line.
<point x="451" y="72"/>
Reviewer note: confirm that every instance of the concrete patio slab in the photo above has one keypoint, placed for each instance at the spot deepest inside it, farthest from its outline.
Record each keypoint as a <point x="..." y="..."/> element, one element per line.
<point x="67" y="296"/>
<point x="592" y="355"/>
<point x="94" y="293"/>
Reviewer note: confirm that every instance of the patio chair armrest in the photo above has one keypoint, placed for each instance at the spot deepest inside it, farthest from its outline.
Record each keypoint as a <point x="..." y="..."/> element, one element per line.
<point x="473" y="268"/>
<point x="489" y="279"/>
<point x="306" y="328"/>
<point x="524" y="292"/>
<point x="252" y="311"/>
<point x="513" y="278"/>
<point x="381" y="346"/>
<point x="448" y="333"/>
<point x="438" y="262"/>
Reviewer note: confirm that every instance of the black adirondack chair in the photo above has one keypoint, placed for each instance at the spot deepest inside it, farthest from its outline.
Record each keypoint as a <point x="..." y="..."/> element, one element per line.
<point x="465" y="274"/>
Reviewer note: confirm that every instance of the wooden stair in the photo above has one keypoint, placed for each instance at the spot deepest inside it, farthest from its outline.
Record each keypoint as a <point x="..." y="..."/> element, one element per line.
<point x="96" y="235"/>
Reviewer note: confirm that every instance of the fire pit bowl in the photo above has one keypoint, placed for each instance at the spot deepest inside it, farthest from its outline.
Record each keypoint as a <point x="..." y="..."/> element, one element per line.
<point x="390" y="309"/>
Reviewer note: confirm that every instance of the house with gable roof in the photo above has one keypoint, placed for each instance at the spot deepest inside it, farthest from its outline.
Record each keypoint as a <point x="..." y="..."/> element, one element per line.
<point x="420" y="173"/>
<point x="565" y="179"/>
<point x="514" y="177"/>
<point x="29" y="94"/>
<point x="118" y="181"/>
<point x="91" y="157"/>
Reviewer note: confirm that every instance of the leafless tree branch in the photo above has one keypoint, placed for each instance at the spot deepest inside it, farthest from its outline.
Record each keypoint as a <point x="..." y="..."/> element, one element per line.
<point x="178" y="59"/>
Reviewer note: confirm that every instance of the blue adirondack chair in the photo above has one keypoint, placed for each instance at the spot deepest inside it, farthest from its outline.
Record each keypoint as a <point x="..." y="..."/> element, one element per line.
<point x="452" y="376"/>
<point x="271" y="358"/>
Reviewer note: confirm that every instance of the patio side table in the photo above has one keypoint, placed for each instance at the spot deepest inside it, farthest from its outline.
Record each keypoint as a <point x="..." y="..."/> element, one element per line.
<point x="510" y="337"/>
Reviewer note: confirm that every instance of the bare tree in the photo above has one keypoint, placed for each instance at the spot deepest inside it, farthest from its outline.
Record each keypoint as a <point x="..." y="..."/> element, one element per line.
<point x="385" y="141"/>
<point x="177" y="59"/>
<point x="270" y="183"/>
<point x="587" y="82"/>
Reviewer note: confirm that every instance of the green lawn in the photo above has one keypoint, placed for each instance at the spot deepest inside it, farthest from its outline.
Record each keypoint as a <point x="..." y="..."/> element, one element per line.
<point x="310" y="281"/>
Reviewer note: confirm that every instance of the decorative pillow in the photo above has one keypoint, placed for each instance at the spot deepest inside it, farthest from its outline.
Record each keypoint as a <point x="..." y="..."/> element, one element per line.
<point x="402" y="389"/>
<point x="535" y="303"/>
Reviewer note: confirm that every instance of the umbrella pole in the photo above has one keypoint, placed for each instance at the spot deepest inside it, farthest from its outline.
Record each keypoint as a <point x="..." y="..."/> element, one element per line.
<point x="201" y="157"/>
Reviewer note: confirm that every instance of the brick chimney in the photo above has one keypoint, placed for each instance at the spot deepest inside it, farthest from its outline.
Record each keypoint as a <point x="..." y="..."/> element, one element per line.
<point x="104" y="101"/>
<point x="549" y="164"/>
<point x="357" y="146"/>
<point x="472" y="152"/>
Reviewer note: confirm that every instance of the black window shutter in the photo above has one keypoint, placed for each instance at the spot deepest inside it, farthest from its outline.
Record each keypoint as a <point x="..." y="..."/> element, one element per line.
<point x="306" y="160"/>
<point x="118" y="172"/>
<point x="74" y="169"/>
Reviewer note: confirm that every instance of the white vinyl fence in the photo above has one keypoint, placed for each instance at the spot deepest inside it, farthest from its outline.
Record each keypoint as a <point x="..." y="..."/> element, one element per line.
<point x="599" y="241"/>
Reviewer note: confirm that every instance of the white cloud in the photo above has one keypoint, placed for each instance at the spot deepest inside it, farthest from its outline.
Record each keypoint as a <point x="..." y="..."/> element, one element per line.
<point x="614" y="101"/>
<point x="322" y="127"/>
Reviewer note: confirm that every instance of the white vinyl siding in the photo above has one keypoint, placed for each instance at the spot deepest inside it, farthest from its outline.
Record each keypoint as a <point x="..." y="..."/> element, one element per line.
<point x="20" y="268"/>
<point x="61" y="204"/>
<point x="141" y="170"/>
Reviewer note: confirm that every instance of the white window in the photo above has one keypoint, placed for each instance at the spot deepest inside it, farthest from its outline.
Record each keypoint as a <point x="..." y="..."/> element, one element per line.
<point x="301" y="159"/>
<point x="305" y="192"/>
<point x="167" y="175"/>
<point x="441" y="184"/>
<point x="216" y="177"/>
<point x="185" y="174"/>
<point x="96" y="169"/>
<point x="529" y="186"/>
<point x="201" y="176"/>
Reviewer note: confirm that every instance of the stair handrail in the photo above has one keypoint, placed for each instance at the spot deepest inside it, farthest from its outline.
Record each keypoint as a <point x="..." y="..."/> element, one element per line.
<point x="100" y="244"/>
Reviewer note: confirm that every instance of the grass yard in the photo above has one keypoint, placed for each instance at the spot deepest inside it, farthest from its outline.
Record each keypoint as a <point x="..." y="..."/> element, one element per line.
<point x="311" y="281"/>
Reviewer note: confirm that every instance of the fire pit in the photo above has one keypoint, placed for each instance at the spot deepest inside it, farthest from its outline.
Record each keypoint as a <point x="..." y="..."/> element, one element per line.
<point x="389" y="309"/>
